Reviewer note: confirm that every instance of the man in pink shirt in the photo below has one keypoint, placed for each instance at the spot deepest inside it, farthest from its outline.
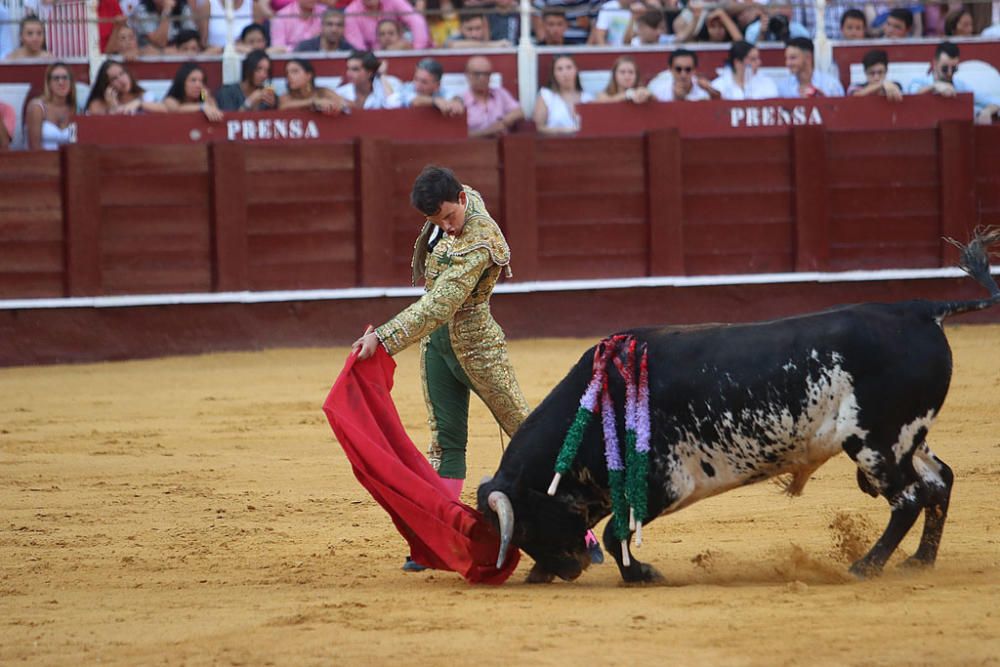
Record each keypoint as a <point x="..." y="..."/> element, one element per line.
<point x="295" y="22"/>
<point x="489" y="111"/>
<point x="363" y="17"/>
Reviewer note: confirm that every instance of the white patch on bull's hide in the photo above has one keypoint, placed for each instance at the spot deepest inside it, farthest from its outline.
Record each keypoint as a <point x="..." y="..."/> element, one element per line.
<point x="927" y="466"/>
<point x="905" y="497"/>
<point x="828" y="417"/>
<point x="904" y="443"/>
<point x="869" y="461"/>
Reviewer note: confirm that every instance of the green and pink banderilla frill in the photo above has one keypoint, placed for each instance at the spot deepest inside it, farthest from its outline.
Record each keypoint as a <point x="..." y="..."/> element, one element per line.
<point x="628" y="476"/>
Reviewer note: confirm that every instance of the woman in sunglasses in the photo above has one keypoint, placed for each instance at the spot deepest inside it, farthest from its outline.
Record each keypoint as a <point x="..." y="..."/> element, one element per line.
<point x="49" y="118"/>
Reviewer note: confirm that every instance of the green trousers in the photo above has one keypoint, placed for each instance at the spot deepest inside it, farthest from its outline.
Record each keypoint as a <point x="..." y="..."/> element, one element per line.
<point x="446" y="390"/>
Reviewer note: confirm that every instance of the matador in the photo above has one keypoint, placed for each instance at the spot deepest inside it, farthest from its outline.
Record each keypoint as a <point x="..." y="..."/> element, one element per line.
<point x="460" y="253"/>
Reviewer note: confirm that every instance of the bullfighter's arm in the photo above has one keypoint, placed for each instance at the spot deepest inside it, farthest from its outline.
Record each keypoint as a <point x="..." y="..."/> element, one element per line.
<point x="436" y="307"/>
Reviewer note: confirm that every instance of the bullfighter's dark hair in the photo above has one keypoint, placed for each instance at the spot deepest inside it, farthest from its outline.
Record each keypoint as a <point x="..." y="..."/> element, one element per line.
<point x="433" y="187"/>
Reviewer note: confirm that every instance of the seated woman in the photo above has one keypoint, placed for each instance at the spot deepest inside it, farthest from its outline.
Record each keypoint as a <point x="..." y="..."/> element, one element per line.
<point x="303" y="92"/>
<point x="32" y="36"/>
<point x="959" y="23"/>
<point x="555" y="107"/>
<point x="188" y="92"/>
<point x="741" y="80"/>
<point x="115" y="91"/>
<point x="624" y="85"/>
<point x="253" y="92"/>
<point x="367" y="87"/>
<point x="49" y="117"/>
<point x="390" y="36"/>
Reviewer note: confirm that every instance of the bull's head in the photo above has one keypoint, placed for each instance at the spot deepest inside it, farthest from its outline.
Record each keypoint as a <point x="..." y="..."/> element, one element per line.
<point x="546" y="528"/>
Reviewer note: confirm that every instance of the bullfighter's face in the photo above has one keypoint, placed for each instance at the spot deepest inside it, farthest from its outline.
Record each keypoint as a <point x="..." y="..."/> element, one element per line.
<point x="451" y="216"/>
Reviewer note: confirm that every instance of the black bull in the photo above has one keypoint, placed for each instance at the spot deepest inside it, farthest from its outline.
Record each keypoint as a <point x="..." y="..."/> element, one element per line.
<point x="734" y="405"/>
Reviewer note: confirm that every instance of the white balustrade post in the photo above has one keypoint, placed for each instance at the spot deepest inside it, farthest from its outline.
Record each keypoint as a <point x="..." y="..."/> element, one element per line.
<point x="824" y="50"/>
<point x="230" y="59"/>
<point x="93" y="39"/>
<point x="527" y="62"/>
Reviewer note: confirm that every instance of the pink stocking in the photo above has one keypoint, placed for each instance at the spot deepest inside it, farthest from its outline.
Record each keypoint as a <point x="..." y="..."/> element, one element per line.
<point x="454" y="487"/>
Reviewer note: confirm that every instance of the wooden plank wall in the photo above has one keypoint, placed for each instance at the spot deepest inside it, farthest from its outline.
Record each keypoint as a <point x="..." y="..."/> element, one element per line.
<point x="987" y="175"/>
<point x="591" y="208"/>
<point x="155" y="223"/>
<point x="737" y="199"/>
<point x="885" y="199"/>
<point x="301" y="217"/>
<point x="229" y="217"/>
<point x="31" y="226"/>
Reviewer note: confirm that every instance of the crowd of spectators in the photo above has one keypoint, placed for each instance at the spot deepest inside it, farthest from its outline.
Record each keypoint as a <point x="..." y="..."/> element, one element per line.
<point x="157" y="27"/>
<point x="307" y="26"/>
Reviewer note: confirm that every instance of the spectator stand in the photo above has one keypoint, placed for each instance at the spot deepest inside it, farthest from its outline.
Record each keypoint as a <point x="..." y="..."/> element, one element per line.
<point x="847" y="54"/>
<point x="980" y="75"/>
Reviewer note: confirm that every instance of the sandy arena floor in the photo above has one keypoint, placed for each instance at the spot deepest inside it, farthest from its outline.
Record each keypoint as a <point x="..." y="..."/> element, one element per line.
<point x="197" y="511"/>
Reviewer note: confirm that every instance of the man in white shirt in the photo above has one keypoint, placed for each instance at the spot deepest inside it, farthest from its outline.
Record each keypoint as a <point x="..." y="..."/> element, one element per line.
<point x="681" y="82"/>
<point x="804" y="80"/>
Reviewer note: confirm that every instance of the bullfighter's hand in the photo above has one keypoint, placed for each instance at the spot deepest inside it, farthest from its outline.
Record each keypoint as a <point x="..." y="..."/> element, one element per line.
<point x="366" y="344"/>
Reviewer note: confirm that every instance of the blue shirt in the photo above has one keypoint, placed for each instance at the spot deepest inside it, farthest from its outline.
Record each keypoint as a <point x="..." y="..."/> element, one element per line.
<point x="979" y="99"/>
<point x="408" y="93"/>
<point x="824" y="83"/>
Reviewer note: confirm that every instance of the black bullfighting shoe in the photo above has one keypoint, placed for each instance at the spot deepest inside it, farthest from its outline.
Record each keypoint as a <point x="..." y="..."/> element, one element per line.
<point x="413" y="566"/>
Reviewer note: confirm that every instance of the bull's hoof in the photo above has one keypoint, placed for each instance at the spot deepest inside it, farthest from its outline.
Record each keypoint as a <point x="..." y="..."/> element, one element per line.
<point x="539" y="576"/>
<point x="917" y="563"/>
<point x="643" y="574"/>
<point x="864" y="569"/>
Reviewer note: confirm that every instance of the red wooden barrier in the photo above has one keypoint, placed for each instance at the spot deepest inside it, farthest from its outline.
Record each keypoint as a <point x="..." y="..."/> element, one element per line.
<point x="987" y="175"/>
<point x="230" y="216"/>
<point x="31" y="226"/>
<point x="301" y="209"/>
<point x="772" y="117"/>
<point x="271" y="127"/>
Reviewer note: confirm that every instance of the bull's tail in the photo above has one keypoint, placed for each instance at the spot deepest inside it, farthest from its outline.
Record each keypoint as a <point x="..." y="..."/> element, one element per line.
<point x="975" y="260"/>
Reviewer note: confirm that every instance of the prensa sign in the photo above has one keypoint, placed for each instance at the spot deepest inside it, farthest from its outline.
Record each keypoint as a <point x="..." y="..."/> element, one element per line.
<point x="774" y="116"/>
<point x="266" y="129"/>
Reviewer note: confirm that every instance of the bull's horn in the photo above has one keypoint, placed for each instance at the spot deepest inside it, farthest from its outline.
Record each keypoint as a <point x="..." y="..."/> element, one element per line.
<point x="500" y="503"/>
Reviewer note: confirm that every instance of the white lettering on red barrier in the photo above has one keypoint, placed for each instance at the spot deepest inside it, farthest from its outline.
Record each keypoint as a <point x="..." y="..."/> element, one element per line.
<point x="265" y="129"/>
<point x="773" y="116"/>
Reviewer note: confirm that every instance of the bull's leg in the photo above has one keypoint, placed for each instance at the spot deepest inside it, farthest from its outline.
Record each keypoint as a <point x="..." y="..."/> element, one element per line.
<point x="636" y="572"/>
<point x="937" y="479"/>
<point x="904" y="493"/>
